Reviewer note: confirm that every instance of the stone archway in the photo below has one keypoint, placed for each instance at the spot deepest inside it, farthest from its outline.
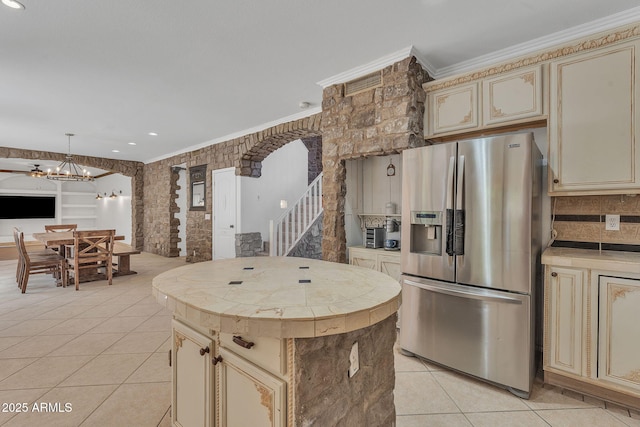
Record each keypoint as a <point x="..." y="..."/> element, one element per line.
<point x="256" y="147"/>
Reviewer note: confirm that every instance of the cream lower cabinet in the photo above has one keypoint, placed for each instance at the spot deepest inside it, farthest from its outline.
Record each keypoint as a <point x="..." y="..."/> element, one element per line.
<point x="594" y="122"/>
<point x="565" y="292"/>
<point x="619" y="332"/>
<point x="591" y="332"/>
<point x="229" y="380"/>
<point x="387" y="262"/>
<point x="192" y="397"/>
<point x="249" y="396"/>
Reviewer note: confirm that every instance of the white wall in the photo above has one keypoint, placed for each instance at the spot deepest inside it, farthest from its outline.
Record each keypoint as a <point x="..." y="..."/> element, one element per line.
<point x="284" y="177"/>
<point x="114" y="213"/>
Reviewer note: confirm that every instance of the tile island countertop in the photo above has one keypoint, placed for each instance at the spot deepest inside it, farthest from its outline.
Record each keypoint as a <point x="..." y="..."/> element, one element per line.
<point x="279" y="297"/>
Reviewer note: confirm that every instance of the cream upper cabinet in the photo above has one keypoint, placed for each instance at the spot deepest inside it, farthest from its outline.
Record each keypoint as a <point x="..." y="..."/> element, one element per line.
<point x="564" y="326"/>
<point x="512" y="96"/>
<point x="593" y="122"/>
<point x="192" y="398"/>
<point x="453" y="109"/>
<point x="618" y="332"/>
<point x="507" y="98"/>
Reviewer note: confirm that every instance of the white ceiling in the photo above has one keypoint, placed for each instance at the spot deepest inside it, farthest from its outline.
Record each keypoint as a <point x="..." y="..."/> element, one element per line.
<point x="200" y="71"/>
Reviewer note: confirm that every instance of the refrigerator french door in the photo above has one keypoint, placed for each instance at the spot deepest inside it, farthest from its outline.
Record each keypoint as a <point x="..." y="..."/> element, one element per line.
<point x="471" y="219"/>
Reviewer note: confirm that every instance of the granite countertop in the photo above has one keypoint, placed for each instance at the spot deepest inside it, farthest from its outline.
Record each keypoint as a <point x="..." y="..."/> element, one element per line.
<point x="624" y="262"/>
<point x="281" y="297"/>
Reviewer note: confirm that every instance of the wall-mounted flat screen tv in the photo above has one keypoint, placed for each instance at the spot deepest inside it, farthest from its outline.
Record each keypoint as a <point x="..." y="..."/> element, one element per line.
<point x="21" y="207"/>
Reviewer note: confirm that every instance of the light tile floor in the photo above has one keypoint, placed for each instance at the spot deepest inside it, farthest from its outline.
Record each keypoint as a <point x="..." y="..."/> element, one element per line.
<point x="103" y="350"/>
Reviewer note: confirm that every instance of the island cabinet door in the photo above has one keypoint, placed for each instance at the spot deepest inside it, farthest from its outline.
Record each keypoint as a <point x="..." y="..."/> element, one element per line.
<point x="249" y="396"/>
<point x="192" y="392"/>
<point x="619" y="332"/>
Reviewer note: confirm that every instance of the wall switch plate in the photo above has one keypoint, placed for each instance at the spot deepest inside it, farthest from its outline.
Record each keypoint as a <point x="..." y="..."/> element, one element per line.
<point x="354" y="362"/>
<point x="612" y="223"/>
<point x="207" y="217"/>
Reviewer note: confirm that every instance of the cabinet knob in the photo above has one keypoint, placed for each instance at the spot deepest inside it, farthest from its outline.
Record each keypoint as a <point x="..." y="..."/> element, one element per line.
<point x="242" y="343"/>
<point x="556" y="181"/>
<point x="554" y="274"/>
<point x="216" y="360"/>
<point x="204" y="351"/>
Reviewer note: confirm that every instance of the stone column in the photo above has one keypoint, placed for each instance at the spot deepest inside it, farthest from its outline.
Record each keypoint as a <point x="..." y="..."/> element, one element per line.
<point x="380" y="121"/>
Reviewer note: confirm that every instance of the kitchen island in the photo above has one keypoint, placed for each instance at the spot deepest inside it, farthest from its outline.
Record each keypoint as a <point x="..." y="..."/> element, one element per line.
<point x="280" y="341"/>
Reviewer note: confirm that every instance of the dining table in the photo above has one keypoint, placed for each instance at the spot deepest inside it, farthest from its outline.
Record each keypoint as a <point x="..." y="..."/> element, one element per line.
<point x="64" y="239"/>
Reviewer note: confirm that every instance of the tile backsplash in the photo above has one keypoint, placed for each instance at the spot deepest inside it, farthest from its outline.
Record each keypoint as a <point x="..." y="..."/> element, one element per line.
<point x="580" y="222"/>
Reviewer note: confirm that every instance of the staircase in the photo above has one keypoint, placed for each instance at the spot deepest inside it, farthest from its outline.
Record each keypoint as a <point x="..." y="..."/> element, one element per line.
<point x="287" y="230"/>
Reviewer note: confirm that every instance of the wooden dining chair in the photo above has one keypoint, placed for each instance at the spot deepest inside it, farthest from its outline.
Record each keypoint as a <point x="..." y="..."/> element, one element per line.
<point x="92" y="249"/>
<point x="58" y="228"/>
<point x="37" y="263"/>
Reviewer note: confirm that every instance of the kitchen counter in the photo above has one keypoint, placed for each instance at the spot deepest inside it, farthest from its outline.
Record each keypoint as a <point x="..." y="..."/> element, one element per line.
<point x="332" y="298"/>
<point x="254" y="339"/>
<point x="626" y="262"/>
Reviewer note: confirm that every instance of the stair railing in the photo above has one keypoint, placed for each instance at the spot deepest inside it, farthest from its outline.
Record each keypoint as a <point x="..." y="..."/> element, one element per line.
<point x="288" y="229"/>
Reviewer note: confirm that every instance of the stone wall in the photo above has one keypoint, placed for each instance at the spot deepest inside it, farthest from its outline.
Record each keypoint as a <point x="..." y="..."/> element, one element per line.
<point x="245" y="154"/>
<point x="314" y="145"/>
<point x="324" y="394"/>
<point x="248" y="244"/>
<point x="380" y="121"/>
<point x="134" y="170"/>
<point x="310" y="246"/>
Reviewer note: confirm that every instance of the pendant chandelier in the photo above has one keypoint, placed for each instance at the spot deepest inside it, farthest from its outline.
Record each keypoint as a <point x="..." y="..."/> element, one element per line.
<point x="69" y="170"/>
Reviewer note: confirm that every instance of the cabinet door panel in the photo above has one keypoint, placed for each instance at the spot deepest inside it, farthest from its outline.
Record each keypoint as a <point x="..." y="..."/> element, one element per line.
<point x="192" y="398"/>
<point x="249" y="396"/>
<point x="390" y="265"/>
<point x="363" y="258"/>
<point x="565" y="289"/>
<point x="453" y="109"/>
<point x="592" y="121"/>
<point x="619" y="334"/>
<point x="512" y="96"/>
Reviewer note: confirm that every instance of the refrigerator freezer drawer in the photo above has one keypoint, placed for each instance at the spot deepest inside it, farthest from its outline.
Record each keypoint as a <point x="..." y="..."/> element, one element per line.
<point x="482" y="332"/>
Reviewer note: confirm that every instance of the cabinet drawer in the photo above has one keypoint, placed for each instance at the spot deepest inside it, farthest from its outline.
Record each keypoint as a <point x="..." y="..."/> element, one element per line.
<point x="268" y="353"/>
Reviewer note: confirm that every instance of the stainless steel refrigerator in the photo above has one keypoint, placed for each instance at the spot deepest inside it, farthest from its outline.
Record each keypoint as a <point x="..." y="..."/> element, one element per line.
<point x="470" y="250"/>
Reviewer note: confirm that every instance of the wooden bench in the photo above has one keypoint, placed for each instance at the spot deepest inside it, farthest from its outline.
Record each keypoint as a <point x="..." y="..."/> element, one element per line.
<point x="123" y="252"/>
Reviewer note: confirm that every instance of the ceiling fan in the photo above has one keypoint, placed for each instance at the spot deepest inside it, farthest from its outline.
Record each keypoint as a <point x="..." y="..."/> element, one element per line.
<point x="36" y="172"/>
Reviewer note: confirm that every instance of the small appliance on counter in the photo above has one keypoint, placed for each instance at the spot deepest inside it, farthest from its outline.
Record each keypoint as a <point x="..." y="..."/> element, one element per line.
<point x="391" y="245"/>
<point x="374" y="238"/>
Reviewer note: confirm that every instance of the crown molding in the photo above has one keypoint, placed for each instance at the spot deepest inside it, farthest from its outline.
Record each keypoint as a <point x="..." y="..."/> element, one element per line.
<point x="306" y="113"/>
<point x="561" y="37"/>
<point x="368" y="68"/>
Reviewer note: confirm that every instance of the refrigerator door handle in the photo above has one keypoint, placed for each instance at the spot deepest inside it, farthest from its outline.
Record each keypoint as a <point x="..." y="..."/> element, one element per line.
<point x="450" y="249"/>
<point x="458" y="240"/>
<point x="473" y="294"/>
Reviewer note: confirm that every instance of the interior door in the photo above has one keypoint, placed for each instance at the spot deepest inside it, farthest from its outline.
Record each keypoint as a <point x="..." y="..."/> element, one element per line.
<point x="224" y="213"/>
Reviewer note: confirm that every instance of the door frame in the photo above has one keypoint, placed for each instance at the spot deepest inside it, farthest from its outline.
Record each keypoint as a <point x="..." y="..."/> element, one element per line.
<point x="238" y="225"/>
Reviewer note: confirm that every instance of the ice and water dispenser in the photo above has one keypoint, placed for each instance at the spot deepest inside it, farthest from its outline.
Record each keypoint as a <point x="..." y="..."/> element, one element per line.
<point x="426" y="232"/>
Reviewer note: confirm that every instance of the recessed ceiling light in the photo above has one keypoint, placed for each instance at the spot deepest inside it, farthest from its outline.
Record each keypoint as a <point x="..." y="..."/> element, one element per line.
<point x="132" y="143"/>
<point x="115" y="151"/>
<point x="13" y="4"/>
<point x="153" y="134"/>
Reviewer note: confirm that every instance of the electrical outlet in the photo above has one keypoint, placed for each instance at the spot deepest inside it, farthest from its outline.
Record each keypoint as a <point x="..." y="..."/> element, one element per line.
<point x="612" y="223"/>
<point x="354" y="362"/>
